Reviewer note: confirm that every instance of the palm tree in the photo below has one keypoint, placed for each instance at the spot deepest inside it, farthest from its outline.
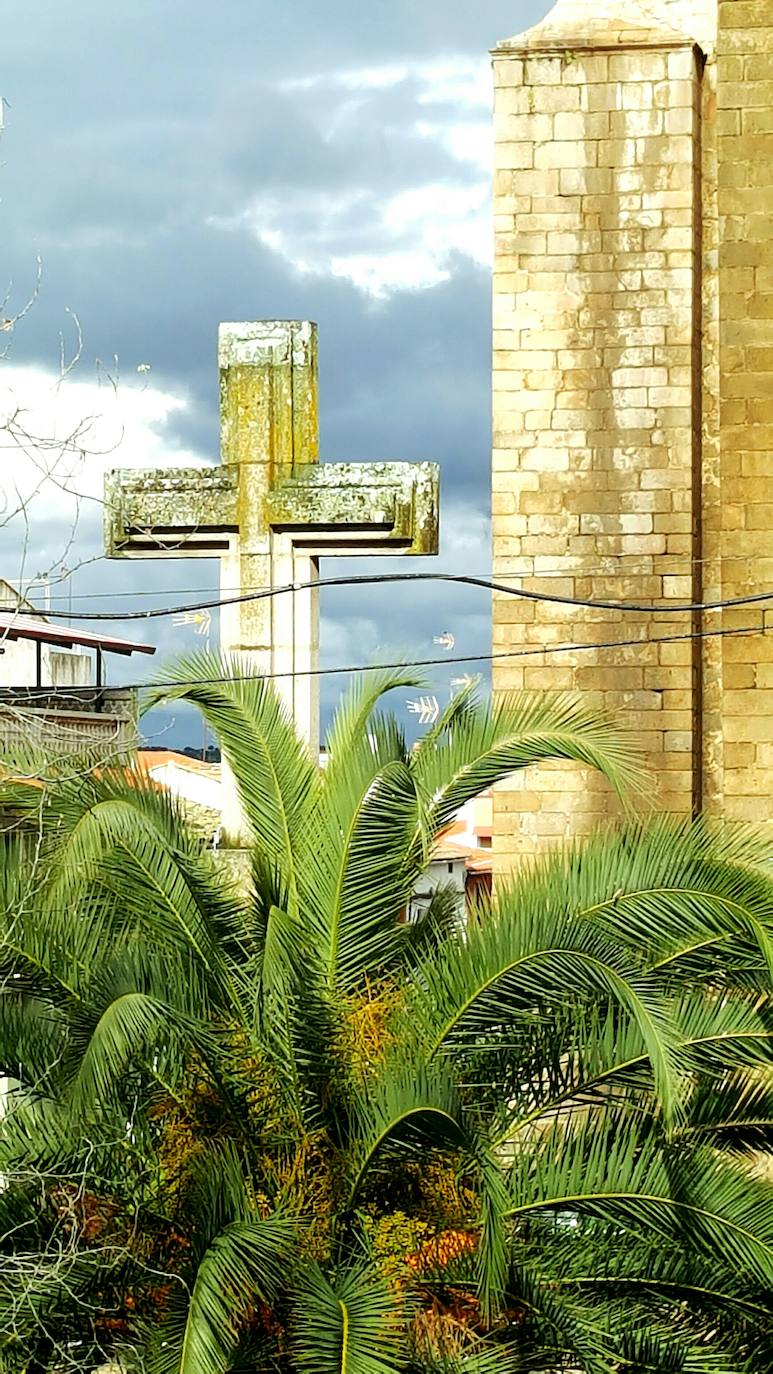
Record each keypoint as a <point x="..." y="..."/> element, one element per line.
<point x="259" y="1122"/>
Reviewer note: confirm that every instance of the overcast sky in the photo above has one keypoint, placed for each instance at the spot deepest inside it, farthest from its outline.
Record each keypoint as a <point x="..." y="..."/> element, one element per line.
<point x="176" y="163"/>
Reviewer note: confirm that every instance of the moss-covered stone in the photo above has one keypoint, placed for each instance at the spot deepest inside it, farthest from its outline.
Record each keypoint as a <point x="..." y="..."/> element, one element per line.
<point x="270" y="509"/>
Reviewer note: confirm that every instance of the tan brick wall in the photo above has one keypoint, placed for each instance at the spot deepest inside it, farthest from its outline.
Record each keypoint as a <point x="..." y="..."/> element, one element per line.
<point x="745" y="150"/>
<point x="633" y="387"/>
<point x="596" y="396"/>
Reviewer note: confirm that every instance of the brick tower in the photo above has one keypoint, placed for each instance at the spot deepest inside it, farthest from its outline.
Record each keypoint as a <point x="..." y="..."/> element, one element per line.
<point x="633" y="390"/>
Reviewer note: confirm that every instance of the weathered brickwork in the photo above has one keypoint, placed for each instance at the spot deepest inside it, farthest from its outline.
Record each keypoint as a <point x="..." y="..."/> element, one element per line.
<point x="633" y="387"/>
<point x="745" y="198"/>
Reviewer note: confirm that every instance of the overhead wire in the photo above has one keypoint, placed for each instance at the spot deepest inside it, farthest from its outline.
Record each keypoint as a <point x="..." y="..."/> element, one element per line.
<point x="590" y="568"/>
<point x="378" y="579"/>
<point x="74" y="692"/>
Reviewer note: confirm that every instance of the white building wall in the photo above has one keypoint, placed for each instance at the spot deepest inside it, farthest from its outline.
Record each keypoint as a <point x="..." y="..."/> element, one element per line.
<point x="18" y="661"/>
<point x="203" y="789"/>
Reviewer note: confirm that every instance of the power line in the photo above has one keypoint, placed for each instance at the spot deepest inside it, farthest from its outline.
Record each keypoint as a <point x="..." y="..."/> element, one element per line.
<point x="589" y="569"/>
<point x="375" y="579"/>
<point x="74" y="692"/>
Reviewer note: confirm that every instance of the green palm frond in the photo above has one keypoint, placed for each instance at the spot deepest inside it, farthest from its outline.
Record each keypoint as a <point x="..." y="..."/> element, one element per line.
<point x="462" y="709"/>
<point x="217" y="1192"/>
<point x="415" y="1111"/>
<point x="588" y="1299"/>
<point x="129" y="1029"/>
<point x="37" y="1133"/>
<point x="357" y="868"/>
<point x="411" y="1110"/>
<point x="437" y="925"/>
<point x="349" y="1326"/>
<point x="483" y="746"/>
<point x="652" y="1346"/>
<point x="351" y="726"/>
<point x="359" y="880"/>
<point x="32" y="1038"/>
<point x="671" y="890"/>
<point x="736" y="1111"/>
<point x="622" y="1175"/>
<point x="246" y="1264"/>
<point x="276" y="778"/>
<point x="492" y="1255"/>
<point x="721" y="1031"/>
<point x="524" y="963"/>
<point x="17" y="1214"/>
<point x="592" y="1060"/>
<point x="478" y="1357"/>
<point x="282" y="949"/>
<point x="44" y="947"/>
<point x="609" y="1262"/>
<point x="119" y="847"/>
<point x="553" y="1329"/>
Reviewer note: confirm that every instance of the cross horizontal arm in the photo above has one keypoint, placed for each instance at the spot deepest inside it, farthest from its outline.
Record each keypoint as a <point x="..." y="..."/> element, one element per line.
<point x="343" y="508"/>
<point x="150" y="513"/>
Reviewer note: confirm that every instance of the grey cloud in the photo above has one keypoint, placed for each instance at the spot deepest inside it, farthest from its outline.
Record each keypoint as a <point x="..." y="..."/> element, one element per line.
<point x="131" y="125"/>
<point x="403" y="378"/>
<point x="114" y="54"/>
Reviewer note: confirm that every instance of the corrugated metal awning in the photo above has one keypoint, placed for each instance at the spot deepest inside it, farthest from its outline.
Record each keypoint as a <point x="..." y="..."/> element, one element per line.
<point x="15" y="625"/>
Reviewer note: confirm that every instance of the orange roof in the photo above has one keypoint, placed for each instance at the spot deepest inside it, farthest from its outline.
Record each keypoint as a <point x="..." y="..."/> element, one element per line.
<point x="455" y="828"/>
<point x="157" y="758"/>
<point x="445" y="851"/>
<point x="480" y="862"/>
<point x="475" y="860"/>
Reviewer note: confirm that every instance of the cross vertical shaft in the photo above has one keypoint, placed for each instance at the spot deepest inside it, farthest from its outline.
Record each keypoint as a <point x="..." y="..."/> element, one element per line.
<point x="268" y="511"/>
<point x="269" y="424"/>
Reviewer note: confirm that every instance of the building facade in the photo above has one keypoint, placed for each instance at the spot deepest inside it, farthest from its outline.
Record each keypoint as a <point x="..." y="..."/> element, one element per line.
<point x="633" y="394"/>
<point x="47" y="700"/>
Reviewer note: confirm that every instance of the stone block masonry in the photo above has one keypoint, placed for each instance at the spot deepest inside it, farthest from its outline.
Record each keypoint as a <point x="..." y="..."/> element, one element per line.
<point x="745" y="515"/>
<point x="633" y="387"/>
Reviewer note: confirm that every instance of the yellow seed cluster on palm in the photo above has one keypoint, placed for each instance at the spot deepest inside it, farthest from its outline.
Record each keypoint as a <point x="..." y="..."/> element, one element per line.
<point x="447" y="1196"/>
<point x="189" y="1121"/>
<point x="304" y="1175"/>
<point x="367" y="1034"/>
<point x="394" y="1239"/>
<point x="252" y="1068"/>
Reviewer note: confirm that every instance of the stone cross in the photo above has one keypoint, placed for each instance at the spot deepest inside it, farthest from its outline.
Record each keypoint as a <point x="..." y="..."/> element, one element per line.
<point x="270" y="509"/>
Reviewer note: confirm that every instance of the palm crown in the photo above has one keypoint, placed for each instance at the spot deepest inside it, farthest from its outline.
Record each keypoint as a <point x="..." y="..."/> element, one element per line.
<point x="257" y="1121"/>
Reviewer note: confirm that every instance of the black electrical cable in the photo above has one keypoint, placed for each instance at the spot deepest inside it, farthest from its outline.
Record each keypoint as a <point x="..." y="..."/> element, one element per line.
<point x="377" y="579"/>
<point x="591" y="568"/>
<point x="74" y="692"/>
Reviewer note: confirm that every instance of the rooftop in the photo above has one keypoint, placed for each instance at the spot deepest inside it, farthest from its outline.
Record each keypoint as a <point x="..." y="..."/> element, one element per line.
<point x="16" y="625"/>
<point x="159" y="758"/>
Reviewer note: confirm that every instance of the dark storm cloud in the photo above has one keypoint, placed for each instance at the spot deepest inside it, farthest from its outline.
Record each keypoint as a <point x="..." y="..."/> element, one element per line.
<point x="137" y="137"/>
<point x="403" y="378"/>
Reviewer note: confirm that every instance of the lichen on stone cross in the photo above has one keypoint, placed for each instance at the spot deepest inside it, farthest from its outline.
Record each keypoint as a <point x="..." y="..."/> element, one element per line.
<point x="270" y="510"/>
